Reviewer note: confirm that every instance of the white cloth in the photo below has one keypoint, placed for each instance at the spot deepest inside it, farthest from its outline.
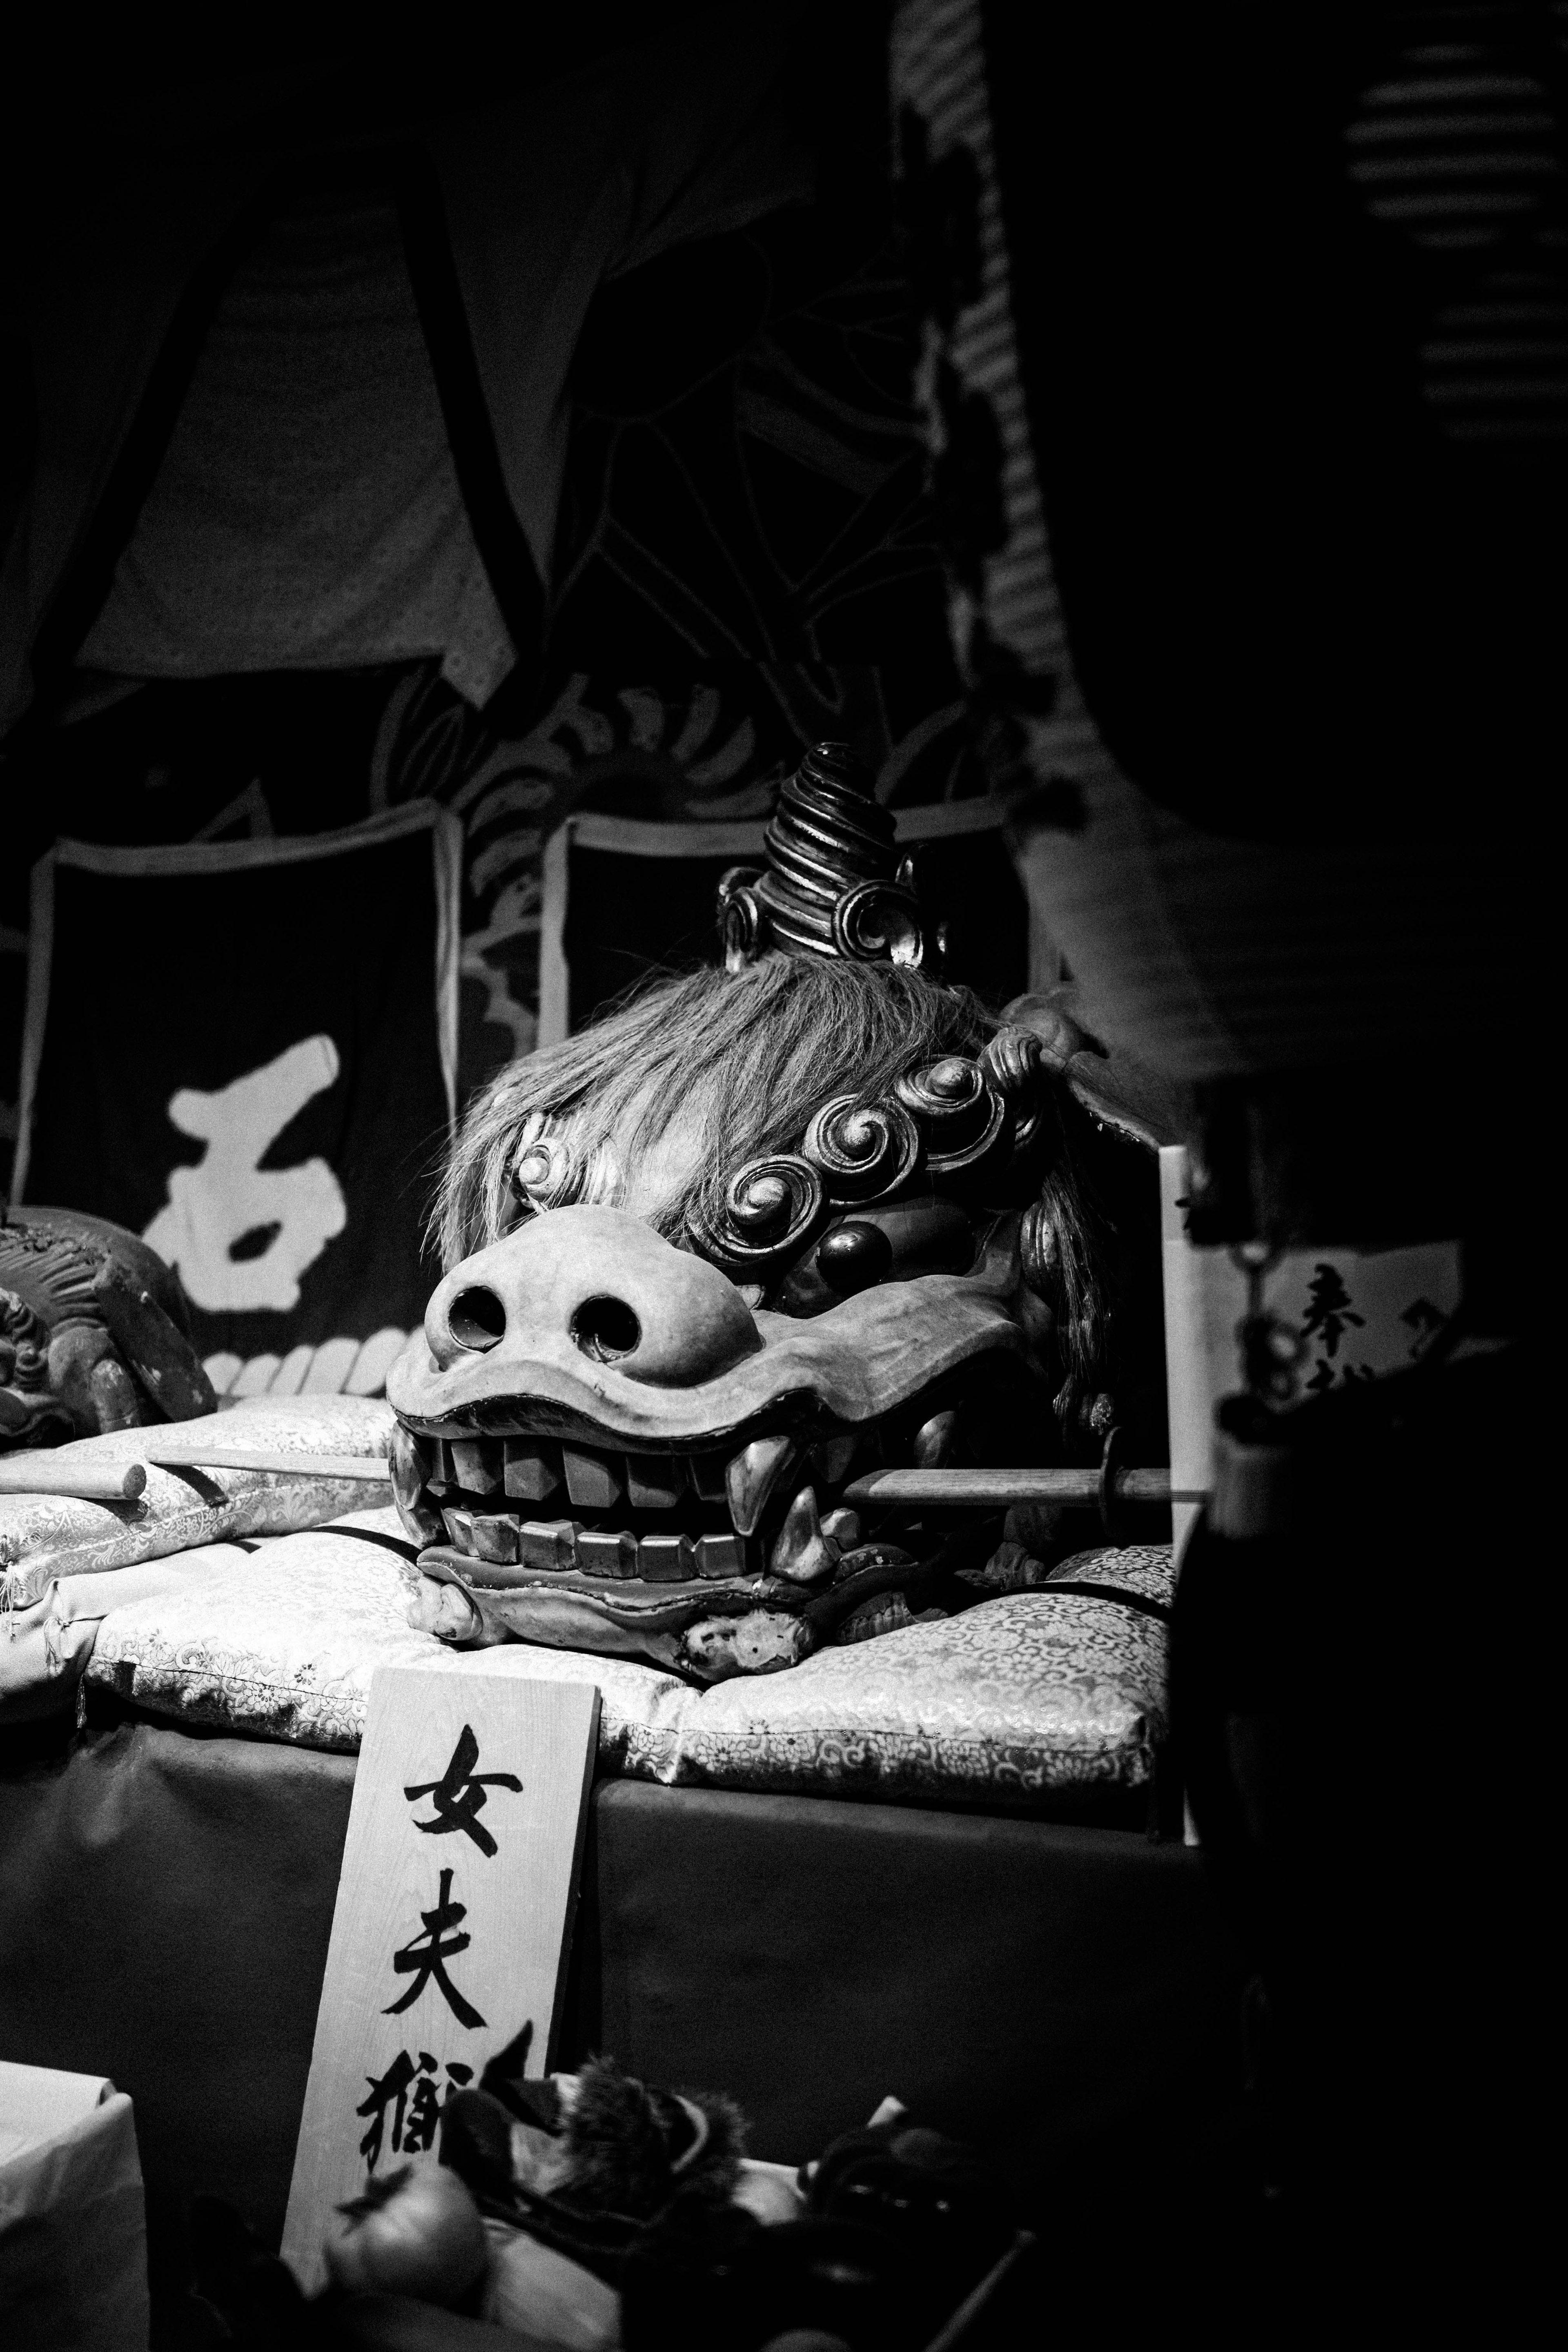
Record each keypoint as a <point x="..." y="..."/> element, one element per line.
<point x="73" y="2223"/>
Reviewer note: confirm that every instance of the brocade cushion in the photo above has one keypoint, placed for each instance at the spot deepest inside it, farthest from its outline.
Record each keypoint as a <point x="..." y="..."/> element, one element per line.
<point x="45" y="1536"/>
<point x="1033" y="1694"/>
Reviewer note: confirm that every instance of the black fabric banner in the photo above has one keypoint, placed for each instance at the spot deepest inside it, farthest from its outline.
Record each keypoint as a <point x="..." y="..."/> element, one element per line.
<point x="263" y="1089"/>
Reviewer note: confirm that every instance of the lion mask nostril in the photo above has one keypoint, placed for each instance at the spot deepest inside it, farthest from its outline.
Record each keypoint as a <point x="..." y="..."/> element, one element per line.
<point x="605" y="1329"/>
<point x="476" y="1319"/>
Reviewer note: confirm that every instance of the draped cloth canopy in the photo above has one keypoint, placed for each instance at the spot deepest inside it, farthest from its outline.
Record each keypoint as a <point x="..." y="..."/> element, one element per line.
<point x="306" y="405"/>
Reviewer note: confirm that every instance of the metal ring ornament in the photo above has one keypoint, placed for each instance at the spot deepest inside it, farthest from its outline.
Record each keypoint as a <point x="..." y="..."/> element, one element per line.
<point x="879" y="919"/>
<point x="965" y="1121"/>
<point x="866" y="1151"/>
<point x="1113" y="1461"/>
<point x="1034" y="1119"/>
<point x="1013" y="1061"/>
<point x="545" y="1174"/>
<point x="1039" y="1256"/>
<point x="950" y="1097"/>
<point x="766" y="1214"/>
<point x="743" y="917"/>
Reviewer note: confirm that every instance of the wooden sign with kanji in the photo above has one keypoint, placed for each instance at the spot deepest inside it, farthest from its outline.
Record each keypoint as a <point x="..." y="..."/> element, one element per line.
<point x="452" y="1927"/>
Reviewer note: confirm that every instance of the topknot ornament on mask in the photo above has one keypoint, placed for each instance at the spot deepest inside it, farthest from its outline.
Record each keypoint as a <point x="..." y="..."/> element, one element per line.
<point x="833" y="884"/>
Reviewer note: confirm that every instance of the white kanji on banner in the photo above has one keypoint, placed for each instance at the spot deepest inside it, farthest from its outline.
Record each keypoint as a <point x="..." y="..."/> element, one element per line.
<point x="241" y="1234"/>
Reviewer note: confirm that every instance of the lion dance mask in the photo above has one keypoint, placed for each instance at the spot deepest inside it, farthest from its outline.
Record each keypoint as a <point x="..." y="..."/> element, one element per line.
<point x="94" y="1333"/>
<point x="758" y="1231"/>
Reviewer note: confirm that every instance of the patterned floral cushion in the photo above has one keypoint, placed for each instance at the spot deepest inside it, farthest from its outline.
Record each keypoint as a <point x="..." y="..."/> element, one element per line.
<point x="1030" y="1694"/>
<point x="277" y="1637"/>
<point x="45" y="1536"/>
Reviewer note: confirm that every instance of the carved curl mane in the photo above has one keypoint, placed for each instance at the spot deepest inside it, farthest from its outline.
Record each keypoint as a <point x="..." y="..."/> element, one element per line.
<point x="747" y="1057"/>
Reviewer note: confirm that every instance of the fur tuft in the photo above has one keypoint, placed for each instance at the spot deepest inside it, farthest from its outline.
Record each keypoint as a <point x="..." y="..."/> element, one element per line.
<point x="619" y="2136"/>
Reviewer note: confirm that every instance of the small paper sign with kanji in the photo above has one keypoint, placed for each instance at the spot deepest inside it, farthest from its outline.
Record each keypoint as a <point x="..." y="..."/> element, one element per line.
<point x="452" y="1927"/>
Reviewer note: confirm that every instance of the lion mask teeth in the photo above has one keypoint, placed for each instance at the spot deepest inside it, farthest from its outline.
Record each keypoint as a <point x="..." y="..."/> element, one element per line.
<point x="512" y="1509"/>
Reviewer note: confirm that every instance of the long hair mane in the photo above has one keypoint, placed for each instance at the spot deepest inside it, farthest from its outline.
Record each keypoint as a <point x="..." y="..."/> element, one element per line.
<point x="745" y="1058"/>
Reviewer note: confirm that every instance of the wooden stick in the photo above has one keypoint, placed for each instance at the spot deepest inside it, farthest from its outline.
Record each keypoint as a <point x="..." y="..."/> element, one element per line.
<point x="41" y="1473"/>
<point x="997" y="1488"/>
<point x="169" y="1454"/>
<point x="955" y="2332"/>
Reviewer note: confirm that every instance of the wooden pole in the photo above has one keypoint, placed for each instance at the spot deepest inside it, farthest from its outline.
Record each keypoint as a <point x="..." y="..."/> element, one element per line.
<point x="40" y="1472"/>
<point x="996" y="1489"/>
<point x="169" y="1454"/>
